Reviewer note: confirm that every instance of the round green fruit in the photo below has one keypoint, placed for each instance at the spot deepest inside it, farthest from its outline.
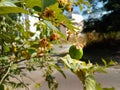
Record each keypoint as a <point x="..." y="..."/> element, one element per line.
<point x="75" y="53"/>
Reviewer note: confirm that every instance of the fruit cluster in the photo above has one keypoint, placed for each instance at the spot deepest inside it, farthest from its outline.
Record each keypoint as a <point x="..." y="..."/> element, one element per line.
<point x="65" y="4"/>
<point x="62" y="2"/>
<point x="48" y="12"/>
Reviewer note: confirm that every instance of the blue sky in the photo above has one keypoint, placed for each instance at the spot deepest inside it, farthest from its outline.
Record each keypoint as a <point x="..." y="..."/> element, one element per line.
<point x="99" y="13"/>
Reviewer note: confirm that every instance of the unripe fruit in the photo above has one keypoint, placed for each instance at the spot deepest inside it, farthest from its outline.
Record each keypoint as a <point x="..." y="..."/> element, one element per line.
<point x="75" y="53"/>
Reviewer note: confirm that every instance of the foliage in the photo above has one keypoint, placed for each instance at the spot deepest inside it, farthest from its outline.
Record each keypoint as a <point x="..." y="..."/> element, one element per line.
<point x="85" y="72"/>
<point x="109" y="12"/>
<point x="18" y="51"/>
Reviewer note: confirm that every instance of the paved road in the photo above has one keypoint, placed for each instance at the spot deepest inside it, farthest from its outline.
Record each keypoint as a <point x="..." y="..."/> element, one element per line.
<point x="110" y="79"/>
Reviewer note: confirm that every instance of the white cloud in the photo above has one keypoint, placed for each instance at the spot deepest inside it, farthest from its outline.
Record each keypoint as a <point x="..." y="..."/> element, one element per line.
<point x="77" y="18"/>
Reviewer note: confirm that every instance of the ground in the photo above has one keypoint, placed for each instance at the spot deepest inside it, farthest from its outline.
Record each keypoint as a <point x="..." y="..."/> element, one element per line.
<point x="107" y="49"/>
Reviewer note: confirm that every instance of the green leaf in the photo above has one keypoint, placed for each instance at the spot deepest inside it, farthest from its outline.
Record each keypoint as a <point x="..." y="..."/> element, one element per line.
<point x="100" y="88"/>
<point x="111" y="63"/>
<point x="73" y="64"/>
<point x="24" y="33"/>
<point x="100" y="69"/>
<point x="33" y="3"/>
<point x="1" y="87"/>
<point x="56" y="9"/>
<point x="47" y="3"/>
<point x="9" y="9"/>
<point x="4" y="58"/>
<point x="90" y="83"/>
<point x="14" y="66"/>
<point x="105" y="63"/>
<point x="37" y="85"/>
<point x="67" y="61"/>
<point x="7" y="6"/>
<point x="31" y="33"/>
<point x="58" y="13"/>
<point x="6" y="3"/>
<point x="6" y="48"/>
<point x="14" y="1"/>
<point x="108" y="88"/>
<point x="31" y="51"/>
<point x="58" y="68"/>
<point x="5" y="37"/>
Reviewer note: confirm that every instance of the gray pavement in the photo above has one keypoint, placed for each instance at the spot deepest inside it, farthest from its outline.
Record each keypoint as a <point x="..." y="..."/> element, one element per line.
<point x="109" y="79"/>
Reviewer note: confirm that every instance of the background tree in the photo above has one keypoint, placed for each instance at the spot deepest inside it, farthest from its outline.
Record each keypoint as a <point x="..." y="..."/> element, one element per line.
<point x="105" y="22"/>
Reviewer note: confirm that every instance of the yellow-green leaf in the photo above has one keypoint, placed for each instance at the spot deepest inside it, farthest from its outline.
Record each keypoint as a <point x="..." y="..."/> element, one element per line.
<point x="32" y="3"/>
<point x="90" y="83"/>
<point x="9" y="9"/>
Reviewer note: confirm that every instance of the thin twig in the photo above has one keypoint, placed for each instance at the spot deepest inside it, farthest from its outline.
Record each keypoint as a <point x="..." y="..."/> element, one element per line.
<point x="28" y="77"/>
<point x="3" y="78"/>
<point x="20" y="68"/>
<point x="27" y="88"/>
<point x="20" y="61"/>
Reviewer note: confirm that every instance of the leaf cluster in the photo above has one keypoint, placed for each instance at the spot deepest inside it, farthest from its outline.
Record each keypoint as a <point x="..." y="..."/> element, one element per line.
<point x="20" y="51"/>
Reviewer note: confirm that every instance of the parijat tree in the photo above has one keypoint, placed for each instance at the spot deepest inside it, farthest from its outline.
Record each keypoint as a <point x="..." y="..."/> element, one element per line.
<point x="16" y="46"/>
